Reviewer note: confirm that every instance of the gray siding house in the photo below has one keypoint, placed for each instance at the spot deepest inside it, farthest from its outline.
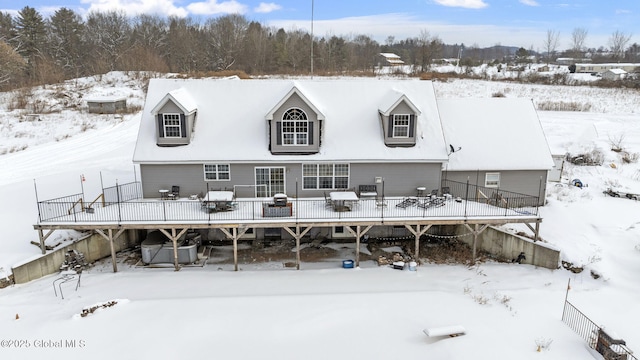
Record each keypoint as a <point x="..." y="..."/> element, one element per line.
<point x="496" y="143"/>
<point x="307" y="137"/>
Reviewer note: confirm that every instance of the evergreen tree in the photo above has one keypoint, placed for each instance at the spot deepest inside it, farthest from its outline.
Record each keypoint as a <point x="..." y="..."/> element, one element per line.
<point x="65" y="28"/>
<point x="30" y="39"/>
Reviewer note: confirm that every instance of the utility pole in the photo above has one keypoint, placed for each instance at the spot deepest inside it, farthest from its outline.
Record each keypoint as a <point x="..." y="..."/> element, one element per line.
<point x="311" y="39"/>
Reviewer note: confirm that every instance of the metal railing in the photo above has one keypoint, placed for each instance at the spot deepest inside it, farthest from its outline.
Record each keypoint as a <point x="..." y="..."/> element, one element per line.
<point x="123" y="203"/>
<point x="123" y="192"/>
<point x="594" y="335"/>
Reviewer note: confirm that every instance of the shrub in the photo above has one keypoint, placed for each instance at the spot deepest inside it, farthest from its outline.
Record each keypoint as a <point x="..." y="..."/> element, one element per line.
<point x="594" y="157"/>
<point x="630" y="158"/>
<point x="563" y="106"/>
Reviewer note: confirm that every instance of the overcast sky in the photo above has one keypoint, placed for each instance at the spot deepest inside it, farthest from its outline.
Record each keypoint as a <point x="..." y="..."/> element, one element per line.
<point x="473" y="22"/>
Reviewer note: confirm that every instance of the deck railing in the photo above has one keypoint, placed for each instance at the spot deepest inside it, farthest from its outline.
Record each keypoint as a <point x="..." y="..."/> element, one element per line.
<point x="124" y="204"/>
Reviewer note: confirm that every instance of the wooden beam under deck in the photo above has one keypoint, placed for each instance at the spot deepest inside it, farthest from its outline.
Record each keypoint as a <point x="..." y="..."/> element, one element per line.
<point x="281" y="224"/>
<point x="233" y="230"/>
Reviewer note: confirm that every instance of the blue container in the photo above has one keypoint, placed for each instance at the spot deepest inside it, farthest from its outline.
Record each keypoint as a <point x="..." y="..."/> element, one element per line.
<point x="347" y="264"/>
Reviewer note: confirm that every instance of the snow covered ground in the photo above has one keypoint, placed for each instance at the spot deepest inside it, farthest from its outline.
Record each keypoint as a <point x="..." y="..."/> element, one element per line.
<point x="322" y="311"/>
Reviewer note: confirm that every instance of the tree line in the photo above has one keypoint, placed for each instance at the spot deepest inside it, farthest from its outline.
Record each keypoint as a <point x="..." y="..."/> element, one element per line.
<point x="37" y="50"/>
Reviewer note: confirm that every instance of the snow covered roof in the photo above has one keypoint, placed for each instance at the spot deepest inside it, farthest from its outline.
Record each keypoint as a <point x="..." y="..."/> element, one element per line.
<point x="616" y="71"/>
<point x="392" y="100"/>
<point x="392" y="58"/>
<point x="304" y="98"/>
<point x="494" y="134"/>
<point x="231" y="124"/>
<point x="390" y="55"/>
<point x="106" y="98"/>
<point x="181" y="98"/>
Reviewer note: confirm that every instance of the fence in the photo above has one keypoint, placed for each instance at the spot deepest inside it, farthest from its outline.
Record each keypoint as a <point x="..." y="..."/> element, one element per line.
<point x="123" y="192"/>
<point x="493" y="196"/>
<point x="123" y="203"/>
<point x="594" y="335"/>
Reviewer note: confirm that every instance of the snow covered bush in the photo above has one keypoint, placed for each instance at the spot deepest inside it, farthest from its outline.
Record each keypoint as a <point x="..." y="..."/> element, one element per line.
<point x="549" y="105"/>
<point x="593" y="157"/>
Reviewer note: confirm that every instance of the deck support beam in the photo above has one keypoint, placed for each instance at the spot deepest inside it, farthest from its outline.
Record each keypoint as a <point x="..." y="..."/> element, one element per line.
<point x="174" y="239"/>
<point x="111" y="238"/>
<point x="476" y="230"/>
<point x="358" y="233"/>
<point x="44" y="237"/>
<point x="297" y="235"/>
<point x="536" y="230"/>
<point x="234" y="235"/>
<point x="419" y="231"/>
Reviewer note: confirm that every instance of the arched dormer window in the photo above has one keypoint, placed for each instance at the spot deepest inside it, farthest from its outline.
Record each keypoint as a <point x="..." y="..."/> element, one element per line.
<point x="295" y="127"/>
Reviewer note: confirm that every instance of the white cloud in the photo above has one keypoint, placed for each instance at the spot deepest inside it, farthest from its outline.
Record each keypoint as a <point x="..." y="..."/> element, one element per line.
<point x="267" y="7"/>
<point x="403" y="26"/>
<point x="136" y="7"/>
<point x="470" y="4"/>
<point x="530" y="2"/>
<point x="211" y="7"/>
<point x="622" y="11"/>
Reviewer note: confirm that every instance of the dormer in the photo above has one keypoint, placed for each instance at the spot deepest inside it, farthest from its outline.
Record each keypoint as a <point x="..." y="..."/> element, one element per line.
<point x="175" y="118"/>
<point x="295" y="125"/>
<point x="398" y="116"/>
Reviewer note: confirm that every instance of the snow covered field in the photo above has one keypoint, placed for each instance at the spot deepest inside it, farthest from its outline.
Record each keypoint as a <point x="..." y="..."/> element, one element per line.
<point x="323" y="311"/>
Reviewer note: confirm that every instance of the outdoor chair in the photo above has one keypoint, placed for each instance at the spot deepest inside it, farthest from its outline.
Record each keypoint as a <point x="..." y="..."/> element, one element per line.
<point x="368" y="191"/>
<point x="175" y="192"/>
<point x="327" y="201"/>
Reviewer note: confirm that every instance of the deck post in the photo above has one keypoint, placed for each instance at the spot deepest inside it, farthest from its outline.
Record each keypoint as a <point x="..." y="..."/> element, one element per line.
<point x="358" y="234"/>
<point x="234" y="235"/>
<point x="475" y="242"/>
<point x="475" y="231"/>
<point x="113" y="251"/>
<point x="42" y="238"/>
<point x="111" y="238"/>
<point x="417" y="233"/>
<point x="174" y="239"/>
<point x="298" y="235"/>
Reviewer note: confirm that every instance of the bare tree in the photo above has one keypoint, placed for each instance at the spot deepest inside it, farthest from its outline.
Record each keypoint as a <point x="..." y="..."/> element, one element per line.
<point x="618" y="43"/>
<point x="226" y="38"/>
<point x="109" y="33"/>
<point x="10" y="63"/>
<point x="578" y="37"/>
<point x="551" y="43"/>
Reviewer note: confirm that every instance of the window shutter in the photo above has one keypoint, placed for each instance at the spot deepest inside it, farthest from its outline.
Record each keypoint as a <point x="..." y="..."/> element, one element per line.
<point x="160" y="126"/>
<point x="390" y="134"/>
<point x="183" y="126"/>
<point x="412" y="125"/>
<point x="278" y="132"/>
<point x="310" y="132"/>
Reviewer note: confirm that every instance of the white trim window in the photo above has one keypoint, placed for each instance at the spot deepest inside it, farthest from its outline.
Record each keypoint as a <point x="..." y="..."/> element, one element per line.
<point x="217" y="172"/>
<point x="400" y="125"/>
<point x="325" y="176"/>
<point x="492" y="180"/>
<point x="171" y="125"/>
<point x="295" y="128"/>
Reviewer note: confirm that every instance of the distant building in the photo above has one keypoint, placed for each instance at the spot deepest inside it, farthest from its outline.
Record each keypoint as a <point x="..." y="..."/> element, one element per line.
<point x="390" y="59"/>
<point x="614" y="74"/>
<point x="107" y="105"/>
<point x="569" y="61"/>
<point x="600" y="68"/>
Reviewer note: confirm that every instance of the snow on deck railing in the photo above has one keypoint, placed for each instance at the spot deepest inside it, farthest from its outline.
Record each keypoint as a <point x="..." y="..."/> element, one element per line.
<point x="307" y="209"/>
